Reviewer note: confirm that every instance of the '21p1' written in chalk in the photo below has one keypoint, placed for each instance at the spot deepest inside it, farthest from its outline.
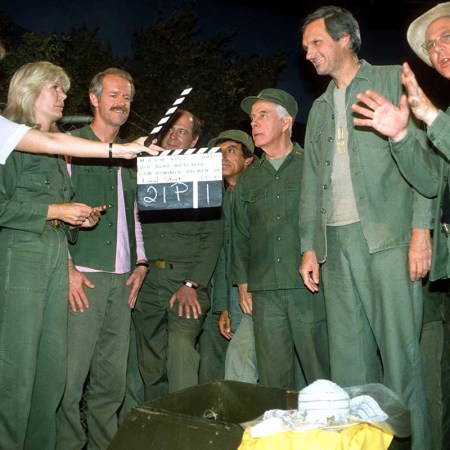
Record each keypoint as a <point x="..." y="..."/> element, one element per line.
<point x="179" y="179"/>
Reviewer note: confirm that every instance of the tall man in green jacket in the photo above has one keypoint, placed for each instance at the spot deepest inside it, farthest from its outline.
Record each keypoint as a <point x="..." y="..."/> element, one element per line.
<point x="106" y="270"/>
<point x="288" y="320"/>
<point x="182" y="247"/>
<point x="364" y="223"/>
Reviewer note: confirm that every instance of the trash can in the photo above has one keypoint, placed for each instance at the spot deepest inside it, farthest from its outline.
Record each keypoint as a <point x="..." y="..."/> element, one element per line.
<point x="200" y="417"/>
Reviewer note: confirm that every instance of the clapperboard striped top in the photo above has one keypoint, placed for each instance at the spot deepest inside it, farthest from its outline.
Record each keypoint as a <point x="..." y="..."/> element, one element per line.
<point x="168" y="115"/>
<point x="189" y="151"/>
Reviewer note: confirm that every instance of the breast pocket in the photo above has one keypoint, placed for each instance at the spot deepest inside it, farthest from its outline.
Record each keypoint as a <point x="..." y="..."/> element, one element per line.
<point x="315" y="135"/>
<point x="46" y="183"/>
<point x="256" y="204"/>
<point x="318" y="144"/>
<point x="374" y="150"/>
<point x="293" y="198"/>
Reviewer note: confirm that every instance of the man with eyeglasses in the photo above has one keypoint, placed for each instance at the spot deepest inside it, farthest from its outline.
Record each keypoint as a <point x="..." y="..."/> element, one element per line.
<point x="182" y="246"/>
<point x="363" y="225"/>
<point x="428" y="171"/>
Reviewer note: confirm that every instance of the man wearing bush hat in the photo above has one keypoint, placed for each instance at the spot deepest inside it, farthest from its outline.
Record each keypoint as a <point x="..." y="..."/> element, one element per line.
<point x="288" y="320"/>
<point x="418" y="34"/>
<point x="429" y="37"/>
<point x="225" y="321"/>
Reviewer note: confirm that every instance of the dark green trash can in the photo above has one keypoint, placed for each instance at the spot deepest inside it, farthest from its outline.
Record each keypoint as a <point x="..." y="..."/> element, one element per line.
<point x="201" y="417"/>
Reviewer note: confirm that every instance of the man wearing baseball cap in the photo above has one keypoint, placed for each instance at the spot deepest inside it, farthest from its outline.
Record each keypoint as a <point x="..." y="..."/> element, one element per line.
<point x="288" y="320"/>
<point x="277" y="96"/>
<point x="225" y="322"/>
<point x="429" y="37"/>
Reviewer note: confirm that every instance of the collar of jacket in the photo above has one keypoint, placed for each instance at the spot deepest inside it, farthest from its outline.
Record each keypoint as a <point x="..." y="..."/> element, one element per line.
<point x="365" y="72"/>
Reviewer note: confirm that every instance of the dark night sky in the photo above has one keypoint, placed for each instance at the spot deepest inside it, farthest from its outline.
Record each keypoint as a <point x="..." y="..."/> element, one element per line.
<point x="261" y="27"/>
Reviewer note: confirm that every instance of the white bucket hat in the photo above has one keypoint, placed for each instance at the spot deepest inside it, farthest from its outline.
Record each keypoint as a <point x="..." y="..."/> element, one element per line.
<point x="417" y="30"/>
<point x="324" y="404"/>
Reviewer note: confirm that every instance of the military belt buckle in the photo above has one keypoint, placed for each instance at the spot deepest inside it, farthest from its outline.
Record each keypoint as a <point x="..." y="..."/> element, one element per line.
<point x="445" y="228"/>
<point x="160" y="264"/>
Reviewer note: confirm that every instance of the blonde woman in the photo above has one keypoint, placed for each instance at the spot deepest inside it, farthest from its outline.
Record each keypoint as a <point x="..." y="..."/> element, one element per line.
<point x="35" y="221"/>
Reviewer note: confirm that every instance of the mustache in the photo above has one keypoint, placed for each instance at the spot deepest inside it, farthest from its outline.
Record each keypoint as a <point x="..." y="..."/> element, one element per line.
<point x="119" y="108"/>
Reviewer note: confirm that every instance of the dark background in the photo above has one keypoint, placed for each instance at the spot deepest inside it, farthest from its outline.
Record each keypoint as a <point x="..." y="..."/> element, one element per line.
<point x="260" y="26"/>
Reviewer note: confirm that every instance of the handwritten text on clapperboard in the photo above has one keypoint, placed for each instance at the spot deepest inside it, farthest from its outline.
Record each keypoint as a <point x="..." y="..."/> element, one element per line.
<point x="180" y="179"/>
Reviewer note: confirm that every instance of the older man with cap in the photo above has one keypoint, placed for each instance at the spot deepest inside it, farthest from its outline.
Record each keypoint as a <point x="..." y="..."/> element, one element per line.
<point x="225" y="320"/>
<point x="288" y="320"/>
<point x="428" y="171"/>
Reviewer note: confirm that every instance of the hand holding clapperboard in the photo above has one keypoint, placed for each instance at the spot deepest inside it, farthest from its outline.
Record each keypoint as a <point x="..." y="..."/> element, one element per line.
<point x="179" y="179"/>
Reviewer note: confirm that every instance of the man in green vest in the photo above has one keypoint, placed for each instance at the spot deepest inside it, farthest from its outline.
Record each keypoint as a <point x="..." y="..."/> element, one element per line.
<point x="107" y="266"/>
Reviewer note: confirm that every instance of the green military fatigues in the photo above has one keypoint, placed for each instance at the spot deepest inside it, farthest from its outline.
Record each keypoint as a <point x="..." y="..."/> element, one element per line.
<point x="371" y="302"/>
<point x="235" y="360"/>
<point x="33" y="300"/>
<point x="98" y="338"/>
<point x="287" y="318"/>
<point x="240" y="360"/>
<point x="212" y="346"/>
<point x="189" y="245"/>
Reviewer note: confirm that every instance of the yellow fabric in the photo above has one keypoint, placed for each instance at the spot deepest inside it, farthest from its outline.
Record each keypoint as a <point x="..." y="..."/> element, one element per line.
<point x="357" y="437"/>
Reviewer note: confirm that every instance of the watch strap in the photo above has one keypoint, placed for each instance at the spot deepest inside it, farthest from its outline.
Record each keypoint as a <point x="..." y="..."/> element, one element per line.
<point x="190" y="284"/>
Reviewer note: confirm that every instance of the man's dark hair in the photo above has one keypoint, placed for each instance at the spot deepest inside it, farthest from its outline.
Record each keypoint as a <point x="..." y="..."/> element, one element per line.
<point x="246" y="151"/>
<point x="197" y="125"/>
<point x="338" y="22"/>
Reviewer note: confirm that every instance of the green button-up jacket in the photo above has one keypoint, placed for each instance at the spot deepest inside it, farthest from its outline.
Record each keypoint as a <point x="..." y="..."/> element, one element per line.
<point x="265" y="235"/>
<point x="387" y="205"/>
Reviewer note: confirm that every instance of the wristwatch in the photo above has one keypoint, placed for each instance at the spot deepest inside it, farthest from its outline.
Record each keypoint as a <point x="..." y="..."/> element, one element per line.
<point x="189" y="284"/>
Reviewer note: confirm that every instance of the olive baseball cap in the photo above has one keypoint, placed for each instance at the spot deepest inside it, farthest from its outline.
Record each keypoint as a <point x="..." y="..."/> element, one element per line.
<point x="233" y="135"/>
<point x="418" y="28"/>
<point x="272" y="95"/>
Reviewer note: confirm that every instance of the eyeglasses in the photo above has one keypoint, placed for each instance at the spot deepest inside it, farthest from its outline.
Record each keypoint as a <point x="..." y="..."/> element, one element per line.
<point x="429" y="46"/>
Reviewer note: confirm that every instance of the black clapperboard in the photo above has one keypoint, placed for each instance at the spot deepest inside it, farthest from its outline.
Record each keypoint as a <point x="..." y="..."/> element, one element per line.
<point x="179" y="179"/>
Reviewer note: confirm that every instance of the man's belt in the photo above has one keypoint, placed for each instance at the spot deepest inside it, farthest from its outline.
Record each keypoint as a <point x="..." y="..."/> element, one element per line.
<point x="161" y="264"/>
<point x="445" y="228"/>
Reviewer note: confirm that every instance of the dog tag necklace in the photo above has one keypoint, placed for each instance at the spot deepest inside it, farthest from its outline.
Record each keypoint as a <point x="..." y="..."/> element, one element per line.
<point x="340" y="145"/>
